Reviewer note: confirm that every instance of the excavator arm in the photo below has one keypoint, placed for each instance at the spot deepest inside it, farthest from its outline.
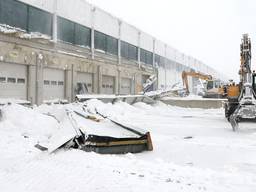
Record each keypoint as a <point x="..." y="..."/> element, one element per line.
<point x="243" y="107"/>
<point x="185" y="75"/>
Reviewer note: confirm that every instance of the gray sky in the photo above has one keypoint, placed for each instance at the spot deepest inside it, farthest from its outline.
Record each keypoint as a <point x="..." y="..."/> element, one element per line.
<point x="209" y="30"/>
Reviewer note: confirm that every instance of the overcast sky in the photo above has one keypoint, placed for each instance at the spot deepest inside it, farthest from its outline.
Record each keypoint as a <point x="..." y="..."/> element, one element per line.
<point x="209" y="30"/>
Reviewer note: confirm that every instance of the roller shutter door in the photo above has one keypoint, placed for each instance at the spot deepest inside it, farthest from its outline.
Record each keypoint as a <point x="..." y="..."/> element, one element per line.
<point x="108" y="84"/>
<point x="126" y="85"/>
<point x="13" y="81"/>
<point x="53" y="84"/>
<point x="84" y="83"/>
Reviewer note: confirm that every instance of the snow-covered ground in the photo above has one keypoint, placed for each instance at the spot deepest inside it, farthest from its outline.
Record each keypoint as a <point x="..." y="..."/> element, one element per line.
<point x="194" y="150"/>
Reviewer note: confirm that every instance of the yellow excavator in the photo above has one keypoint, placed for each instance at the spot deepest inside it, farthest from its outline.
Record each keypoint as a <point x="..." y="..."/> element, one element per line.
<point x="213" y="88"/>
<point x="241" y="104"/>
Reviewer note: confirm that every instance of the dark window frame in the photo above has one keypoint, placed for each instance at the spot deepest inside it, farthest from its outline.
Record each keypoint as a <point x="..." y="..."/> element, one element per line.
<point x="3" y="80"/>
<point x="146" y="56"/>
<point x="63" y="33"/>
<point x="129" y="51"/>
<point x="47" y="82"/>
<point x="12" y="80"/>
<point x="17" y="8"/>
<point x="46" y="13"/>
<point x="105" y="43"/>
<point x="21" y="81"/>
<point x="86" y="42"/>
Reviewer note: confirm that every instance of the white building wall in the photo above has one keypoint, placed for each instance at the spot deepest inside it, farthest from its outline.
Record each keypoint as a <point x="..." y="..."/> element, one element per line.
<point x="170" y="53"/>
<point x="129" y="34"/>
<point x="106" y="23"/>
<point x="146" y="42"/>
<point x="47" y="5"/>
<point x="78" y="11"/>
<point x="170" y="77"/>
<point x="160" y="48"/>
<point x="179" y="57"/>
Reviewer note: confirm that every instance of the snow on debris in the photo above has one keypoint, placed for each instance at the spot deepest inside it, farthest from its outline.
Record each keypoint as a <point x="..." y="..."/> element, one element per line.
<point x="194" y="150"/>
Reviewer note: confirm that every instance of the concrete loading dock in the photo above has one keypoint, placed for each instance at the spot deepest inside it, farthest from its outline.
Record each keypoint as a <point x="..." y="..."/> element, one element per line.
<point x="194" y="103"/>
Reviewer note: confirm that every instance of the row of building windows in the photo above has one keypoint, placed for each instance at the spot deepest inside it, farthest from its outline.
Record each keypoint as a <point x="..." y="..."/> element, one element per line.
<point x="48" y="82"/>
<point x="107" y="86"/>
<point x="31" y="19"/>
<point x="12" y="80"/>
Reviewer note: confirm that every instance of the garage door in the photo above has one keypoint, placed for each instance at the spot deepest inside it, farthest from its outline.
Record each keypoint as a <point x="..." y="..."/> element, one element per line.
<point x="84" y="83"/>
<point x="13" y="81"/>
<point x="126" y="86"/>
<point x="53" y="84"/>
<point x="108" y="84"/>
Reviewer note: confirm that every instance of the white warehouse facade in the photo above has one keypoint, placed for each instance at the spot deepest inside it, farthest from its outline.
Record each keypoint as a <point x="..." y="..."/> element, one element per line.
<point x="53" y="49"/>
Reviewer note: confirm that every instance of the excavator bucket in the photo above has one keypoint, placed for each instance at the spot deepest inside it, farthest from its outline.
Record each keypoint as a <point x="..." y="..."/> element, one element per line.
<point x="243" y="113"/>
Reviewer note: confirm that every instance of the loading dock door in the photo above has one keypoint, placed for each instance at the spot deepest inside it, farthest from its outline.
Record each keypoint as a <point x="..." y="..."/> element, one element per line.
<point x="126" y="85"/>
<point x="84" y="83"/>
<point x="53" y="84"/>
<point x="13" y="81"/>
<point x="108" y="84"/>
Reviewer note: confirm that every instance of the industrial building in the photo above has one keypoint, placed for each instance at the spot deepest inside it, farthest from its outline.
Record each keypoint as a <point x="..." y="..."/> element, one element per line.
<point x="54" y="49"/>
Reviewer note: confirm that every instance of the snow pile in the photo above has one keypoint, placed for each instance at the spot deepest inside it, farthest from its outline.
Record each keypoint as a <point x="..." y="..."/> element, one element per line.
<point x="194" y="150"/>
<point x="6" y="29"/>
<point x="35" y="35"/>
<point x="9" y="29"/>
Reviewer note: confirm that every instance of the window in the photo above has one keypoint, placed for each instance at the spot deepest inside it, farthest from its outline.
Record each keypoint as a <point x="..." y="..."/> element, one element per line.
<point x="132" y="52"/>
<point x="105" y="43"/>
<point x="89" y="85"/>
<point x="146" y="56"/>
<point x="168" y="64"/>
<point x="66" y="30"/>
<point x="112" y="45"/>
<point x="13" y="13"/>
<point x="129" y="51"/>
<point x="149" y="58"/>
<point x="46" y="82"/>
<point x="162" y="61"/>
<point x="11" y="80"/>
<point x="124" y="50"/>
<point x="157" y="60"/>
<point x="2" y="79"/>
<point x="71" y="32"/>
<point x="60" y="83"/>
<point x="100" y="41"/>
<point x="82" y="35"/>
<point x="39" y="21"/>
<point x="53" y="82"/>
<point x="21" y="81"/>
